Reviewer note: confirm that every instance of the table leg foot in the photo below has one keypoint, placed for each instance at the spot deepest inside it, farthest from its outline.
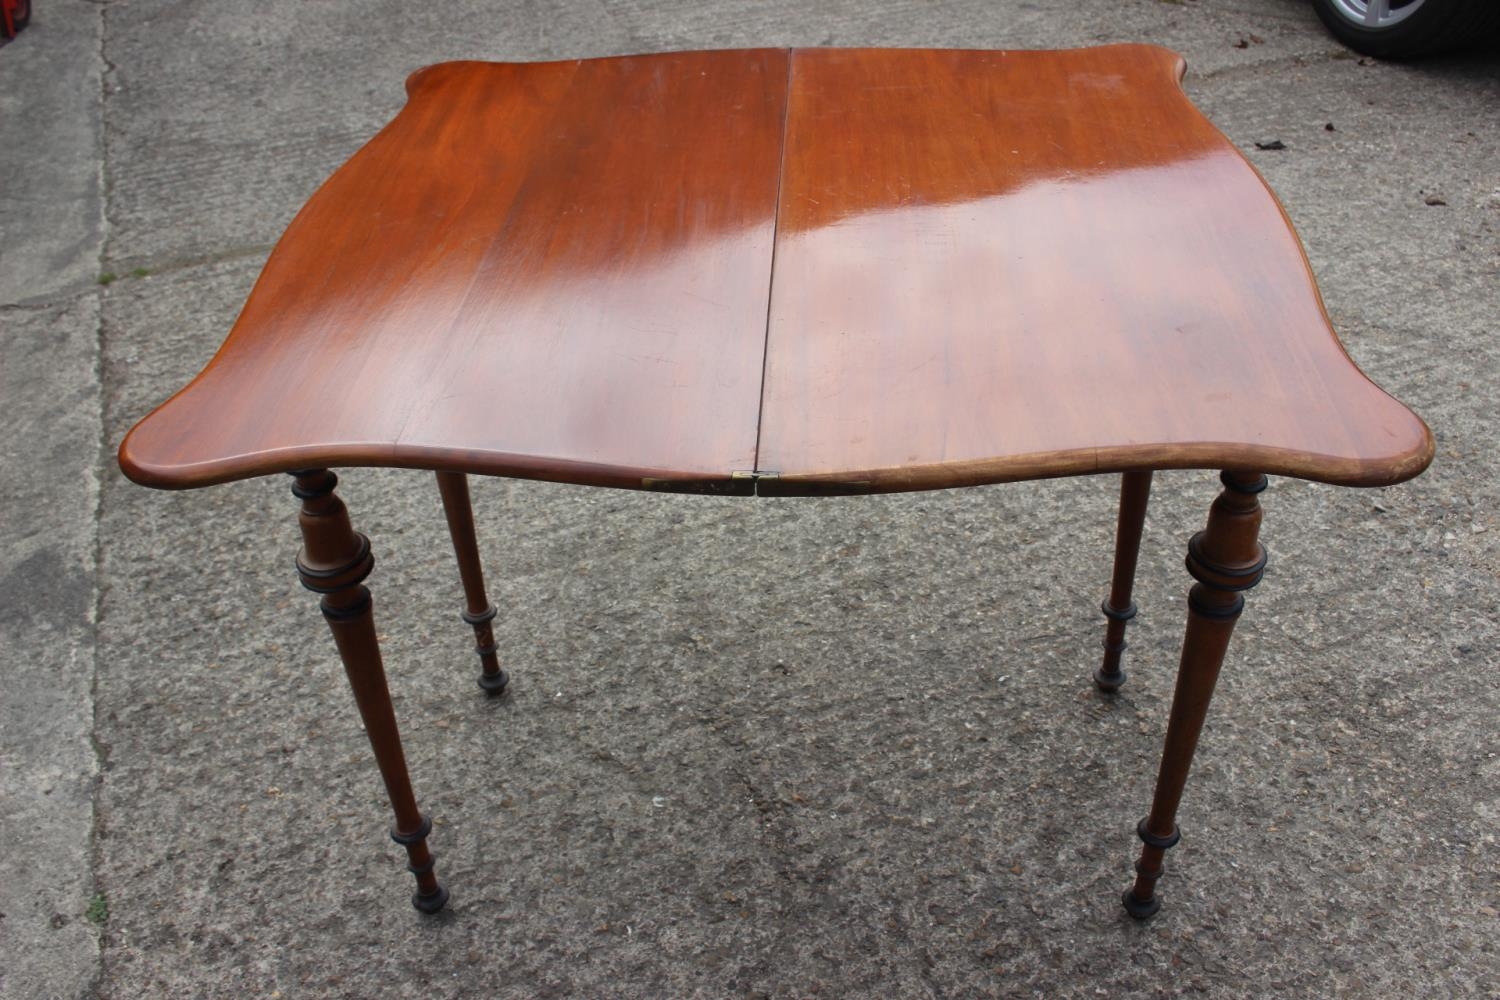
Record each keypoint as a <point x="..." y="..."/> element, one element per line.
<point x="1138" y="909"/>
<point x="1135" y="495"/>
<point x="1109" y="676"/>
<point x="334" y="562"/>
<point x="435" y="897"/>
<point x="492" y="679"/>
<point x="494" y="684"/>
<point x="479" y="613"/>
<point x="1225" y="559"/>
<point x="431" y="902"/>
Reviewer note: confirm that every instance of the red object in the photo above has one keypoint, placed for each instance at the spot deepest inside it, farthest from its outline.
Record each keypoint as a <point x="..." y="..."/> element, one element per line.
<point x="14" y="15"/>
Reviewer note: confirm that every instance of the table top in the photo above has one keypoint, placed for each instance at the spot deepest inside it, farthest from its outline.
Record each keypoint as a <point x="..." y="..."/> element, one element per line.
<point x="774" y="271"/>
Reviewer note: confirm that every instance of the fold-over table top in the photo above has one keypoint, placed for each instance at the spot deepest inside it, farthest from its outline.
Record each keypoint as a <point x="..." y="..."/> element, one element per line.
<point x="815" y="270"/>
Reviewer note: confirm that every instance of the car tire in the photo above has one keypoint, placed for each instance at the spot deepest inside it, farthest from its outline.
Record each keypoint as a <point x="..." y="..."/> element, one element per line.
<point x="1415" y="27"/>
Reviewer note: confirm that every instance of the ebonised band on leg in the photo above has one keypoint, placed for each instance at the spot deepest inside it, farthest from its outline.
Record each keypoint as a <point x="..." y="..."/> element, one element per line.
<point x="431" y="896"/>
<point x="1110" y="675"/>
<point x="492" y="678"/>
<point x="1148" y="871"/>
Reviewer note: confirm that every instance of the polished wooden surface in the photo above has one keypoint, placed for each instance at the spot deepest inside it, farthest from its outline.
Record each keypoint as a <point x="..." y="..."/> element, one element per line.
<point x="554" y="269"/>
<point x="1003" y="265"/>
<point x="987" y="266"/>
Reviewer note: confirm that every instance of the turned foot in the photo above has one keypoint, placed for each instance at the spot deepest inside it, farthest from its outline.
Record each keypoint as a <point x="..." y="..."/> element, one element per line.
<point x="427" y="900"/>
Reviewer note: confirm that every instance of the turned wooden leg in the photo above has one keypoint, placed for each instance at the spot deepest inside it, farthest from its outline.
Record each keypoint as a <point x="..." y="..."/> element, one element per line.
<point x="454" y="486"/>
<point x="1225" y="558"/>
<point x="1135" y="494"/>
<point x="334" y="562"/>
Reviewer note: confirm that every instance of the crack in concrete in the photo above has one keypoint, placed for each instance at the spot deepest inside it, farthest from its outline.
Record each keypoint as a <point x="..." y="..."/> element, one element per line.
<point x="169" y="265"/>
<point x="45" y="304"/>
<point x="96" y="984"/>
<point x="1257" y="67"/>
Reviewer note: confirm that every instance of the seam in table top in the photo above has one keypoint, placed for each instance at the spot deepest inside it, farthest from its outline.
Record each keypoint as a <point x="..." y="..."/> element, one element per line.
<point x="765" y="340"/>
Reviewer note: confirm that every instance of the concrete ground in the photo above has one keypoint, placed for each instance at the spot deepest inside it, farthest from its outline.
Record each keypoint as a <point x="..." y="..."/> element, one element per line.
<point x="754" y="748"/>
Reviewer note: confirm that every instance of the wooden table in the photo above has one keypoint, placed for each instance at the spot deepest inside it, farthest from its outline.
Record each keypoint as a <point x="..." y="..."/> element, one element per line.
<point x="789" y="273"/>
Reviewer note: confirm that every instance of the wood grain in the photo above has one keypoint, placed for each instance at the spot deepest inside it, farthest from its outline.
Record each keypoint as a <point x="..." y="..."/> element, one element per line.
<point x="1005" y="265"/>
<point x="987" y="266"/>
<point x="557" y="270"/>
